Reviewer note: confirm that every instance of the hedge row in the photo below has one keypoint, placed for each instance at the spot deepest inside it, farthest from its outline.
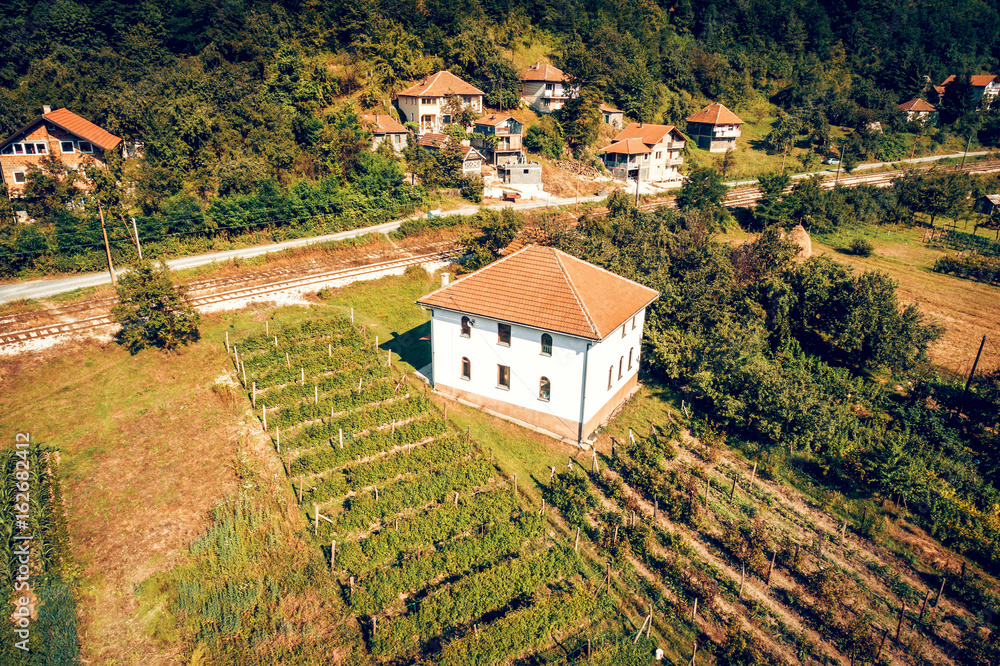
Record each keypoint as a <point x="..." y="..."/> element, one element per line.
<point x="453" y="558"/>
<point x="328" y="431"/>
<point x="437" y="524"/>
<point x="382" y="470"/>
<point x="472" y="597"/>
<point x="373" y="442"/>
<point x="526" y="629"/>
<point x="971" y="267"/>
<point x="438" y="486"/>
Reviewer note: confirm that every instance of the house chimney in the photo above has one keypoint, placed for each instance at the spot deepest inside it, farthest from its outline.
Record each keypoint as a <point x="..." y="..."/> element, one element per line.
<point x="444" y="279"/>
<point x="46" y="109"/>
<point x="538" y="65"/>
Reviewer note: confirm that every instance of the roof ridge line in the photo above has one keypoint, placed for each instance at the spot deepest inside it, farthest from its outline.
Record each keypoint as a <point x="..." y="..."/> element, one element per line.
<point x="605" y="270"/>
<point x="572" y="287"/>
<point x="475" y="272"/>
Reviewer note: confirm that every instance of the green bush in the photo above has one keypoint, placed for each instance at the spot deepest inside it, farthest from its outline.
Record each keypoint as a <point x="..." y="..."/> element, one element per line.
<point x="862" y="247"/>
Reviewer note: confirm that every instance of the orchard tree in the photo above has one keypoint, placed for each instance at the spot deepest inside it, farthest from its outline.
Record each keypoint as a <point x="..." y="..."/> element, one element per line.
<point x="152" y="312"/>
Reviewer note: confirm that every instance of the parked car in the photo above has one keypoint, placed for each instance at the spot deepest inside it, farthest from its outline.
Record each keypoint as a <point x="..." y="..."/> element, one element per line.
<point x="831" y="160"/>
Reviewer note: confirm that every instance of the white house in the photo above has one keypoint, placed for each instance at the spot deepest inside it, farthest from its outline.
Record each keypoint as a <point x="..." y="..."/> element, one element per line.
<point x="651" y="153"/>
<point x="984" y="88"/>
<point x="918" y="109"/>
<point x="425" y="103"/>
<point x="539" y="337"/>
<point x="544" y="87"/>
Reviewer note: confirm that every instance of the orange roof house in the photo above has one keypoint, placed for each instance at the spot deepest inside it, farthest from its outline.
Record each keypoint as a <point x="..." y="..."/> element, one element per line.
<point x="539" y="337"/>
<point x="645" y="151"/>
<point x="386" y="130"/>
<point x="612" y="116"/>
<point x="424" y="103"/>
<point x="715" y="128"/>
<point x="985" y="88"/>
<point x="918" y="109"/>
<point x="544" y="87"/>
<point x="62" y="134"/>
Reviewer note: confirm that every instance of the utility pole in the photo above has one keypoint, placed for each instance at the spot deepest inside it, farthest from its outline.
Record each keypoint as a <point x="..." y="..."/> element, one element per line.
<point x="967" y="145"/>
<point x="840" y="163"/>
<point x="975" y="363"/>
<point x="637" y="172"/>
<point x="138" y="247"/>
<point x="107" y="248"/>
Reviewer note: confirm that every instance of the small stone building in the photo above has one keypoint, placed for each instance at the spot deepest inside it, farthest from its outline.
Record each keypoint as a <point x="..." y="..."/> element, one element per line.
<point x="715" y="128"/>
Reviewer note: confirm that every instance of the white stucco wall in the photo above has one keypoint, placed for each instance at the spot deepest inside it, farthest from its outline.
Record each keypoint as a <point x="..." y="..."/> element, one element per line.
<point x="564" y="368"/>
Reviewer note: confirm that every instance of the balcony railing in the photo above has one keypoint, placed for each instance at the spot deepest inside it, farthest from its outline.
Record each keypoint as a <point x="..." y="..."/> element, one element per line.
<point x="675" y="161"/>
<point x="726" y="134"/>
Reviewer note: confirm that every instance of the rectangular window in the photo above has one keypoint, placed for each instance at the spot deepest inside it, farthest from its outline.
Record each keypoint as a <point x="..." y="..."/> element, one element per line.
<point x="633" y="322"/>
<point x="503" y="334"/>
<point x="43" y="148"/>
<point x="7" y="150"/>
<point x="19" y="177"/>
<point x="85" y="146"/>
<point x="19" y="149"/>
<point x="29" y="148"/>
<point x="503" y="376"/>
<point x="659" y="154"/>
<point x="466" y="368"/>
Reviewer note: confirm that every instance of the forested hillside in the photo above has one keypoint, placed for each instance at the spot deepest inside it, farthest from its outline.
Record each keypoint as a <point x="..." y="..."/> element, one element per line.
<point x="251" y="99"/>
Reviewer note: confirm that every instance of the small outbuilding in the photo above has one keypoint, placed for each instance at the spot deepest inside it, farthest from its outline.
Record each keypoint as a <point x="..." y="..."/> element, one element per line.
<point x="715" y="128"/>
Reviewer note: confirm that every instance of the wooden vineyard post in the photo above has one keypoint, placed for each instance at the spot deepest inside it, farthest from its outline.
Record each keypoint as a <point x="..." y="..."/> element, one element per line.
<point x="771" y="567"/>
<point x="333" y="554"/>
<point x="595" y="468"/>
<point x="819" y="545"/>
<point x="267" y="327"/>
<point x="329" y="351"/>
<point x="651" y="427"/>
<point x="376" y="342"/>
<point x="227" y="342"/>
<point x="541" y="512"/>
<point x="649" y="626"/>
<point x="351" y="583"/>
<point x="708" y="487"/>
<point x="940" y="592"/>
<point x="576" y="543"/>
<point x="276" y="342"/>
<point x="446" y="413"/>
<point x="552" y="474"/>
<point x="923" y="606"/>
<point x="253" y="399"/>
<point x="753" y="474"/>
<point x="244" y="366"/>
<point x="301" y="482"/>
<point x="303" y="376"/>
<point x="340" y="436"/>
<point x="694" y="611"/>
<point x="899" y="627"/>
<point x="743" y="575"/>
<point x="882" y="645"/>
<point x="732" y="493"/>
<point x="796" y="552"/>
<point x="315" y="394"/>
<point x="376" y="492"/>
<point x="656" y="508"/>
<point x="316" y="520"/>
<point x="288" y="361"/>
<point x="263" y="416"/>
<point x="614" y="541"/>
<point x="468" y="434"/>
<point x="608" y="578"/>
<point x="277" y="439"/>
<point x="456" y="498"/>
<point x="352" y="316"/>
<point x="843" y="534"/>
<point x="694" y="653"/>
<point x="393" y="432"/>
<point x="588" y="650"/>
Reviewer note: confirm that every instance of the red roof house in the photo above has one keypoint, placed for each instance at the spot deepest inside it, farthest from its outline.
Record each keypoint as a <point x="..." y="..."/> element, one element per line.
<point x="715" y="128"/>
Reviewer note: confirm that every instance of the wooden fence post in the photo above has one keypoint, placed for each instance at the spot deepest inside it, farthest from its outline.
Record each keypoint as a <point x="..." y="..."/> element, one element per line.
<point x="882" y="645"/>
<point x="333" y="554"/>
<point x="708" y="487"/>
<point x="267" y="327"/>
<point x="316" y="520"/>
<point x="732" y="493"/>
<point x="940" y="592"/>
<point x="253" y="400"/>
<point x="340" y="435"/>
<point x="263" y="416"/>
<point x="288" y="361"/>
<point x="515" y="484"/>
<point x="743" y="575"/>
<point x="227" y="342"/>
<point x="923" y="606"/>
<point x="315" y="394"/>
<point x="694" y="611"/>
<point x="771" y="567"/>
<point x="899" y="627"/>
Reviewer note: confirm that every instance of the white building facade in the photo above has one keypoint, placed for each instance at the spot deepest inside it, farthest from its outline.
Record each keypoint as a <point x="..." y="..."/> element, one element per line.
<point x="426" y="103"/>
<point x="559" y="378"/>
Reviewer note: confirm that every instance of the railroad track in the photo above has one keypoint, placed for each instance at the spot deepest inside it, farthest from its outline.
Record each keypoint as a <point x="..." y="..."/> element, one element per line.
<point x="300" y="282"/>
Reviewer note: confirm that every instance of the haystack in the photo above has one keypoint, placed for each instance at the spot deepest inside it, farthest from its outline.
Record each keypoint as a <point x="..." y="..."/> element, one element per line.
<point x="800" y="237"/>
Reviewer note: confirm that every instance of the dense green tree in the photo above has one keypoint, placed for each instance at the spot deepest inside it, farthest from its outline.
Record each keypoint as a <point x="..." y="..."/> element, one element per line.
<point x="151" y="311"/>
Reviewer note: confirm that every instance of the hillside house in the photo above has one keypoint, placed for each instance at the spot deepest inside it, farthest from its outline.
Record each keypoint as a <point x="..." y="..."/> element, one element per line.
<point x="472" y="160"/>
<point x="612" y="116"/>
<point x="985" y="88"/>
<point x="715" y="128"/>
<point x="544" y="87"/>
<point x="387" y="130"/>
<point x="651" y="153"/>
<point x="61" y="134"/>
<point x="507" y="130"/>
<point x="539" y="337"/>
<point x="918" y="109"/>
<point x="426" y="103"/>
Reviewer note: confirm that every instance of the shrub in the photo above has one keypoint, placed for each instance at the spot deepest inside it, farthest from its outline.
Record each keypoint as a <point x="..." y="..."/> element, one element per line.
<point x="152" y="313"/>
<point x="862" y="247"/>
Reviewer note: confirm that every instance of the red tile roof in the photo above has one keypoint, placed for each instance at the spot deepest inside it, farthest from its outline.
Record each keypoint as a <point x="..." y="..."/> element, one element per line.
<point x="715" y="114"/>
<point x="545" y="288"/>
<point x="385" y="124"/>
<point x="647" y="133"/>
<point x="84" y="129"/>
<point x="441" y="84"/>
<point x="916" y="104"/>
<point x="610" y="109"/>
<point x="73" y="124"/>
<point x="543" y="72"/>
<point x="433" y="141"/>
<point x="977" y="80"/>
<point x="631" y="146"/>
<point x="492" y="120"/>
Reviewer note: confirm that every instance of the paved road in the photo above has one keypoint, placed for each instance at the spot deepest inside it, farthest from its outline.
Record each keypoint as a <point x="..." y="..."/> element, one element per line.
<point x="46" y="288"/>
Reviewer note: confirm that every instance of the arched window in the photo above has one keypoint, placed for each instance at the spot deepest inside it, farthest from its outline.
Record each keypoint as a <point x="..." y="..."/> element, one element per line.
<point x="620" y="362"/>
<point x="546" y="344"/>
<point x="544" y="389"/>
<point x="610" y="372"/>
<point x="466" y="368"/>
<point x="466" y="327"/>
<point x="630" y="358"/>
